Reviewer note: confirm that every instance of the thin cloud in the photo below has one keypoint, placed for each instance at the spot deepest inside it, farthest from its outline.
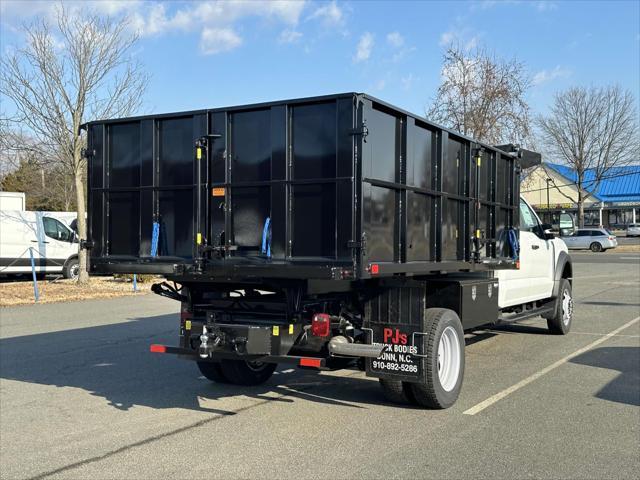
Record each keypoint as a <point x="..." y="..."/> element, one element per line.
<point x="218" y="40"/>
<point x="289" y="36"/>
<point x="468" y="43"/>
<point x="211" y="20"/>
<point x="365" y="45"/>
<point x="546" y="76"/>
<point x="395" y="39"/>
<point x="330" y="14"/>
<point x="446" y="38"/>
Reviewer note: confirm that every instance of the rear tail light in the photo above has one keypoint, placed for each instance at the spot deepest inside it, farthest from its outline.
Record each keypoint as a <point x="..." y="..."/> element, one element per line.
<point x="321" y="325"/>
<point x="612" y="238"/>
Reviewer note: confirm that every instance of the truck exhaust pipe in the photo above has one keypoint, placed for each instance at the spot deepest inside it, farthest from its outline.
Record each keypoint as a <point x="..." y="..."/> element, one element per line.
<point x="342" y="346"/>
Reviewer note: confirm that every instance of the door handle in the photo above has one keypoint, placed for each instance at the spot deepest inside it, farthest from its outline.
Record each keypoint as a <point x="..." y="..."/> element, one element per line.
<point x="36" y="241"/>
<point x="535" y="247"/>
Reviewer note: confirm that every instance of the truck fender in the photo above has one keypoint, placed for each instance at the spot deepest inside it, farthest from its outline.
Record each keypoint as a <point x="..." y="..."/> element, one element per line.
<point x="564" y="269"/>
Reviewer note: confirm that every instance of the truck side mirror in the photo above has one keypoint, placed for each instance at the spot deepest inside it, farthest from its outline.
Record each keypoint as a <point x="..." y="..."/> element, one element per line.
<point x="547" y="231"/>
<point x="567" y="224"/>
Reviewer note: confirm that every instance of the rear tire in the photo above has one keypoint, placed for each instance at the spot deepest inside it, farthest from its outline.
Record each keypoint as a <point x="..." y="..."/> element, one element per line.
<point x="560" y="322"/>
<point x="241" y="372"/>
<point x="444" y="348"/>
<point x="397" y="392"/>
<point x="212" y="371"/>
<point x="595" y="247"/>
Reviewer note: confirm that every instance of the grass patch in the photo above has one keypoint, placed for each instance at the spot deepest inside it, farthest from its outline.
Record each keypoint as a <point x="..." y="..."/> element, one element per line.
<point x="13" y="293"/>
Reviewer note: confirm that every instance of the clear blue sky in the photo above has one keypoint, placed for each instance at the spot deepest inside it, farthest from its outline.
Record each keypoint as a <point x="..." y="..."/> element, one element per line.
<point x="208" y="54"/>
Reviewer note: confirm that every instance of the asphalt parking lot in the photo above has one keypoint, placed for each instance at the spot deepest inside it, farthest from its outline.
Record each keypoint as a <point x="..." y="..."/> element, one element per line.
<point x="81" y="397"/>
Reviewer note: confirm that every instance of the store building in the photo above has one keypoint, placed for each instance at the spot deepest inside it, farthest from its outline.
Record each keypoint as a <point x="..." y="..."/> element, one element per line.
<point x="550" y="189"/>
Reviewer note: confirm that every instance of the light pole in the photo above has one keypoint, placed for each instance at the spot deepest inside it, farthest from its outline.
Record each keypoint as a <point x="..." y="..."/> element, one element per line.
<point x="548" y="206"/>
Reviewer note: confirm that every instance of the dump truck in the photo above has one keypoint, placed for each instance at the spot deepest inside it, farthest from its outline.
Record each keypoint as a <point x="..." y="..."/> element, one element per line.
<point x="329" y="232"/>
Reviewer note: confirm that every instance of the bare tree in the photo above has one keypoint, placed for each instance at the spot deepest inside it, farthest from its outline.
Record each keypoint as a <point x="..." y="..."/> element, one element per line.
<point x="483" y="97"/>
<point x="79" y="69"/>
<point x="591" y="130"/>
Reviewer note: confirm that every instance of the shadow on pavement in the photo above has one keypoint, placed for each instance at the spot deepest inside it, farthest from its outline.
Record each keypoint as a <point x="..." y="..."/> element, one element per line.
<point x="114" y="362"/>
<point x="615" y="304"/>
<point x="625" y="388"/>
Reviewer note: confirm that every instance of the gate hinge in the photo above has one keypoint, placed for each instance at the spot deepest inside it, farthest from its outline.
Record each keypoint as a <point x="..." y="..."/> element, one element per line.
<point x="87" y="153"/>
<point x="364" y="131"/>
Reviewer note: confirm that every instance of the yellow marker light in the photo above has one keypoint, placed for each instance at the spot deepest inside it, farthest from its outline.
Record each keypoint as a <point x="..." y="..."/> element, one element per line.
<point x="199" y="238"/>
<point x="198" y="153"/>
<point x="187" y="325"/>
<point x="276" y="330"/>
<point x="477" y="233"/>
<point x="479" y="161"/>
<point x="291" y="329"/>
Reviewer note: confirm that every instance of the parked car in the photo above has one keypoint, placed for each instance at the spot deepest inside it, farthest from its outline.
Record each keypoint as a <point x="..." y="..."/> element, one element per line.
<point x="633" y="230"/>
<point x="595" y="239"/>
<point x="54" y="245"/>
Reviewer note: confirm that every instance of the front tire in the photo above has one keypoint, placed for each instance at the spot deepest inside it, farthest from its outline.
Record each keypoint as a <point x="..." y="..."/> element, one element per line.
<point x="595" y="247"/>
<point x="560" y="322"/>
<point x="241" y="372"/>
<point x="444" y="350"/>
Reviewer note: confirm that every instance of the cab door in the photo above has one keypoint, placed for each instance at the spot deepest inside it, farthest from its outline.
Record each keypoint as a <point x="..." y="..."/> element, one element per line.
<point x="534" y="279"/>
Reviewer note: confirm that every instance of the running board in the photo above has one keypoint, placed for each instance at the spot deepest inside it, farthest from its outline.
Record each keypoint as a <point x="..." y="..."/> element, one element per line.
<point x="534" y="312"/>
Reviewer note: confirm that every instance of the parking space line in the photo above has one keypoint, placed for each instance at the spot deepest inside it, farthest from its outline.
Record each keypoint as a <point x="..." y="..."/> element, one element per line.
<point x="602" y="334"/>
<point x="522" y="383"/>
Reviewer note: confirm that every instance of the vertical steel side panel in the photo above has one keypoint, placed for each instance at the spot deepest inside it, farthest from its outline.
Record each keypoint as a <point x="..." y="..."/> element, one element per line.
<point x="443" y="158"/>
<point x="401" y="176"/>
<point x="358" y="245"/>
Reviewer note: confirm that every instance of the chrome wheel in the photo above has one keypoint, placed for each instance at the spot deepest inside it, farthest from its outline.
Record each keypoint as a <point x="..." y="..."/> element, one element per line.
<point x="567" y="307"/>
<point x="449" y="359"/>
<point x="74" y="271"/>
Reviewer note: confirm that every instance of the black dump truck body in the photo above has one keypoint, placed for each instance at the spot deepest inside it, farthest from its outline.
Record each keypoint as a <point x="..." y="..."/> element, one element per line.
<point x="342" y="186"/>
<point x="325" y="232"/>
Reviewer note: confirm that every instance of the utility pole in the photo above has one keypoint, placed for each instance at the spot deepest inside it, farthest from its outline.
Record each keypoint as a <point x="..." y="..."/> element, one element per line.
<point x="548" y="206"/>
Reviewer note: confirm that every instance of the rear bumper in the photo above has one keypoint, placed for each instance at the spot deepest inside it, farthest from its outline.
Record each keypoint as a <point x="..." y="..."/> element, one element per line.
<point x="303" y="362"/>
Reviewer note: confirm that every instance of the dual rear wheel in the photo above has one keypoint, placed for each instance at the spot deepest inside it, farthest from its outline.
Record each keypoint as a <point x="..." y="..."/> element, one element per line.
<point x="444" y="364"/>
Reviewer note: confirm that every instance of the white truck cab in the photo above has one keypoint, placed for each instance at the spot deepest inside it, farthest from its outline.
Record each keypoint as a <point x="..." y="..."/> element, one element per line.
<point x="544" y="273"/>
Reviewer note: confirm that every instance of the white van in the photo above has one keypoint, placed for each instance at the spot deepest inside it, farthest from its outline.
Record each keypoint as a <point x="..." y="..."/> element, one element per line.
<point x="54" y="245"/>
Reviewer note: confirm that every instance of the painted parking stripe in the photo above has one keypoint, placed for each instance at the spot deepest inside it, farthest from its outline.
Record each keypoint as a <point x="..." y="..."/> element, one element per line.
<point x="522" y="383"/>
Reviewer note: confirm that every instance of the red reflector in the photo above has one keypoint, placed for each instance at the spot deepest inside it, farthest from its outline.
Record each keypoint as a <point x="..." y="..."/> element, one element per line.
<point x="321" y="325"/>
<point x="375" y="269"/>
<point x="310" y="362"/>
<point x="158" y="349"/>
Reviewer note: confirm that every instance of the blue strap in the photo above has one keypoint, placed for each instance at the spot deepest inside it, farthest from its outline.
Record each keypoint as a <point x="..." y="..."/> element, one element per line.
<point x="154" y="239"/>
<point x="266" y="237"/>
<point x="513" y="242"/>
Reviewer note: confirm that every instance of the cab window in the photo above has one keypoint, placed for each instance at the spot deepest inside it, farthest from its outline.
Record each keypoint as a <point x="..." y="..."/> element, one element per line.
<point x="583" y="233"/>
<point x="528" y="220"/>
<point x="56" y="230"/>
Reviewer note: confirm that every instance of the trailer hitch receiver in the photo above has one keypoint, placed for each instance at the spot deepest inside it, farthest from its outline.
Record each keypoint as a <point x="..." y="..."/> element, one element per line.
<point x="208" y="343"/>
